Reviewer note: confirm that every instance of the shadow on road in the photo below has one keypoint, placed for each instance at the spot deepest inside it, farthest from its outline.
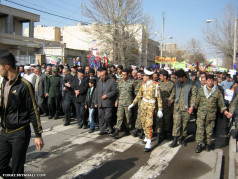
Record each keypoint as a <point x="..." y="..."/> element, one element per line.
<point x="111" y="169"/>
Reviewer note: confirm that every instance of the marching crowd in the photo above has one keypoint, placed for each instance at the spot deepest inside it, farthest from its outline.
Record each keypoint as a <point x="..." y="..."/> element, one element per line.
<point x="150" y="101"/>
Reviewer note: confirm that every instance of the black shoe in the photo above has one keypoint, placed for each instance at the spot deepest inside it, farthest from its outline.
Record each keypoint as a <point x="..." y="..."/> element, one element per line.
<point x="160" y="138"/>
<point x="184" y="143"/>
<point x="174" y="143"/>
<point x="127" y="132"/>
<point x="91" y="131"/>
<point x="102" y="133"/>
<point x="199" y="148"/>
<point x="135" y="133"/>
<point x="80" y="127"/>
<point x="50" y="117"/>
<point x="56" y="117"/>
<point x="115" y="134"/>
<point x="66" y="124"/>
<point x="208" y="147"/>
<point x="110" y="131"/>
<point x="141" y="136"/>
<point x="147" y="150"/>
<point x="44" y="115"/>
<point x="85" y="127"/>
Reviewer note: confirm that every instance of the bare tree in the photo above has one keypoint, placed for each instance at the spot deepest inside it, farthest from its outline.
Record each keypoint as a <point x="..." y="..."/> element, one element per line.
<point x="118" y="24"/>
<point x="220" y="34"/>
<point x="194" y="52"/>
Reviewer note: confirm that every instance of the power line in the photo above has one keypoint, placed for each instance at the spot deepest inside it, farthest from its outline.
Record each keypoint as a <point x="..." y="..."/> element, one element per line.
<point x="75" y="20"/>
<point x="41" y="6"/>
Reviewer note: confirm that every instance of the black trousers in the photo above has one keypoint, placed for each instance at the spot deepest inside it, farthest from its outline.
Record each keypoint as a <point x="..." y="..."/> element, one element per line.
<point x="14" y="146"/>
<point x="81" y="113"/>
<point x="69" y="102"/>
<point x="105" y="118"/>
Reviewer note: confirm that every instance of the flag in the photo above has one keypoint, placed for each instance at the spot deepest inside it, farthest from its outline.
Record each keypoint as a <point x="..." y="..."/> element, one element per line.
<point x="209" y="64"/>
<point x="105" y="58"/>
<point x="197" y="65"/>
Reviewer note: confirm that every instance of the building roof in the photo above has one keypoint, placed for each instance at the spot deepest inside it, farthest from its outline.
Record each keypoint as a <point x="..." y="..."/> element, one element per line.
<point x="21" y="15"/>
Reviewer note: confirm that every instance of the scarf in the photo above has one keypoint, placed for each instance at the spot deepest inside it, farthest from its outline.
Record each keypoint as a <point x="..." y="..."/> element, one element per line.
<point x="186" y="90"/>
<point x="206" y="91"/>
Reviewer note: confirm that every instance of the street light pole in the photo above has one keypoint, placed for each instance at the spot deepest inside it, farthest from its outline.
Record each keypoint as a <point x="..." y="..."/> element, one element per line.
<point x="162" y="36"/>
<point x="235" y="44"/>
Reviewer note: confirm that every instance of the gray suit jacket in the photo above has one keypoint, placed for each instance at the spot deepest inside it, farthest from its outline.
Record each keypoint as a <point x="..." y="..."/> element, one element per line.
<point x="42" y="85"/>
<point x="110" y="89"/>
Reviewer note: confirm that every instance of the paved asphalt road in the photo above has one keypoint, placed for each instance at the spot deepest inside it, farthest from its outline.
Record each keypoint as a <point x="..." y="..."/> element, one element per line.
<point x="70" y="152"/>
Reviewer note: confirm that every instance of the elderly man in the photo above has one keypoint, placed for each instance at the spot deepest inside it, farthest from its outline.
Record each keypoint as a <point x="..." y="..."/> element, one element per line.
<point x="42" y="99"/>
<point x="35" y="83"/>
<point x="105" y="96"/>
<point x="80" y="86"/>
<point x="134" y="74"/>
<point x="28" y="74"/>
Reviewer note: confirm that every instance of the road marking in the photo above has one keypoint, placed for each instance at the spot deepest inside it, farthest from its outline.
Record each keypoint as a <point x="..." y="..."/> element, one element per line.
<point x="97" y="160"/>
<point x="122" y="144"/>
<point x="56" y="129"/>
<point x="159" y="160"/>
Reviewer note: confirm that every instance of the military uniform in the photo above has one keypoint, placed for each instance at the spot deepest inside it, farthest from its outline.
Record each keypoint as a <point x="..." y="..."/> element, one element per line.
<point x="165" y="123"/>
<point x="207" y="102"/>
<point x="54" y="91"/>
<point x="181" y="115"/>
<point x="125" y="98"/>
<point x="233" y="105"/>
<point x="138" y="124"/>
<point x="148" y="94"/>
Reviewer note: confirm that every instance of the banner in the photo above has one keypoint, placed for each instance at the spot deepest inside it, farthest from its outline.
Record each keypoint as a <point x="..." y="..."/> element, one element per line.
<point x="165" y="59"/>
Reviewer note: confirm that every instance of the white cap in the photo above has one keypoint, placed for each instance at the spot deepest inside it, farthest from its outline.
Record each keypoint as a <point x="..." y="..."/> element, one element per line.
<point x="147" y="72"/>
<point x="27" y="68"/>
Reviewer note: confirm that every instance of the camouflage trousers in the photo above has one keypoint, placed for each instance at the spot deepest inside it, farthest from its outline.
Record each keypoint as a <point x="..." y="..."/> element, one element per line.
<point x="164" y="124"/>
<point x="138" y="124"/>
<point x="123" y="112"/>
<point x="204" y="130"/>
<point x="180" y="123"/>
<point x="147" y="113"/>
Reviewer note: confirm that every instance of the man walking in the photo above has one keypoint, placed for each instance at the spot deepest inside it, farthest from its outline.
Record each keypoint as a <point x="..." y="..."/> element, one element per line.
<point x="105" y="96"/>
<point x="124" y="99"/>
<point x="53" y="92"/>
<point x="19" y="110"/>
<point x="148" y="94"/>
<point x="80" y="86"/>
<point x="184" y="98"/>
<point x="209" y="99"/>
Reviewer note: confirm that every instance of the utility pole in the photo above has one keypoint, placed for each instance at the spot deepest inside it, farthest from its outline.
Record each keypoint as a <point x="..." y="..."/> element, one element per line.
<point x="162" y="35"/>
<point x="235" y="42"/>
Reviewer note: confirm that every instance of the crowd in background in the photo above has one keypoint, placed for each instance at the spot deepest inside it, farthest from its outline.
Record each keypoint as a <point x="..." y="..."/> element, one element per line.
<point x="93" y="96"/>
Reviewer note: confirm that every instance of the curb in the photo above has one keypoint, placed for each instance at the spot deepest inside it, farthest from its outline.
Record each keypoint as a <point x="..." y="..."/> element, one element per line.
<point x="218" y="167"/>
<point x="232" y="156"/>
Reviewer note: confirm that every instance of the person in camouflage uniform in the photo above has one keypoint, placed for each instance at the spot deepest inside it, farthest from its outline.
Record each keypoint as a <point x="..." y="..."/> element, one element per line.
<point x="148" y="94"/>
<point x="124" y="99"/>
<point x="209" y="99"/>
<point x="167" y="88"/>
<point x="232" y="108"/>
<point x="137" y="109"/>
<point x="184" y="97"/>
<point x="53" y="92"/>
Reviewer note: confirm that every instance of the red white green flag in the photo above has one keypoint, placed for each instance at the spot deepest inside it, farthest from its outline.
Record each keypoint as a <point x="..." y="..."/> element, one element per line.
<point x="105" y="58"/>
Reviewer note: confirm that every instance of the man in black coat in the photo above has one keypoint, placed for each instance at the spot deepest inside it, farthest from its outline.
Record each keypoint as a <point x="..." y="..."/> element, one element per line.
<point x="68" y="95"/>
<point x="80" y="86"/>
<point x="105" y="96"/>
